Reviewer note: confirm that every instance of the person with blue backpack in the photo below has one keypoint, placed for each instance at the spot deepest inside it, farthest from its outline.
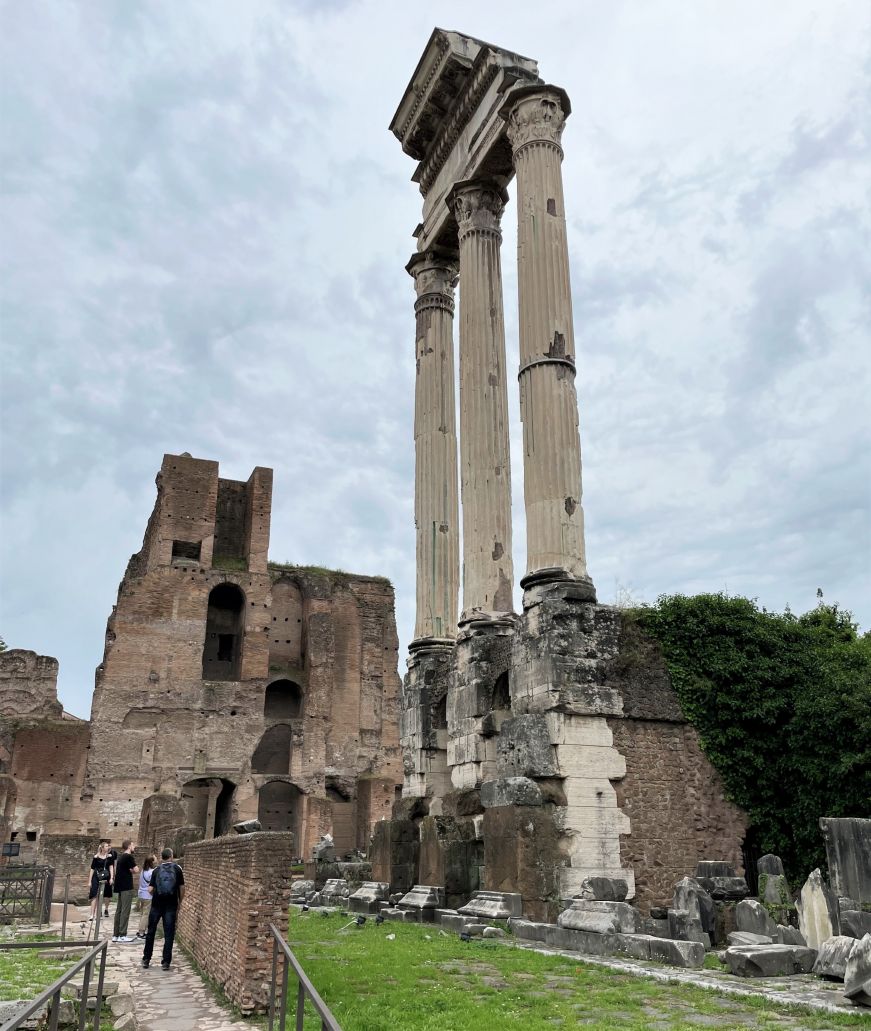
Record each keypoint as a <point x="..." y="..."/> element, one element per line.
<point x="167" y="892"/>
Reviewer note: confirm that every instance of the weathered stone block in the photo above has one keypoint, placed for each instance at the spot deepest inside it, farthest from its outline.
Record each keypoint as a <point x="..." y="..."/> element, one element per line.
<point x="848" y="848"/>
<point x="857" y="974"/>
<point x="770" y="865"/>
<point x="493" y="905"/>
<point x="601" y="917"/>
<point x="604" y="889"/>
<point x="663" y="950"/>
<point x="787" y="935"/>
<point x="770" y="960"/>
<point x="855" y="923"/>
<point x="510" y="791"/>
<point x="752" y="916"/>
<point x="528" y="929"/>
<point x="817" y="911"/>
<point x="739" y="938"/>
<point x="525" y="748"/>
<point x="831" y="961"/>
<point x="368" y="897"/>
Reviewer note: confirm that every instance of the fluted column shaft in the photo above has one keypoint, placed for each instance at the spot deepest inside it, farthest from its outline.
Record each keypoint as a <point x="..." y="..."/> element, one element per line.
<point x="436" y="515"/>
<point x="535" y="116"/>
<point x="485" y="464"/>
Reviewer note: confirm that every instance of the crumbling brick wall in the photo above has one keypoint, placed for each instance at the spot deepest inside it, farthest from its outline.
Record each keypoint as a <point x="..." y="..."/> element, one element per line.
<point x="675" y="799"/>
<point x="235" y="887"/>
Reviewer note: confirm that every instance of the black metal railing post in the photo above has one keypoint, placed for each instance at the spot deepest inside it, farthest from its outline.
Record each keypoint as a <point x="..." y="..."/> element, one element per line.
<point x="63" y="928"/>
<point x="272" y="983"/>
<point x="305" y="989"/>
<point x="52" y="995"/>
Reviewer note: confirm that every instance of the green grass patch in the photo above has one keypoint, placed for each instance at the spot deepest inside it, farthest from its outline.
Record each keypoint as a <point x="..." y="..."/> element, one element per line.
<point x="24" y="973"/>
<point x="428" y="980"/>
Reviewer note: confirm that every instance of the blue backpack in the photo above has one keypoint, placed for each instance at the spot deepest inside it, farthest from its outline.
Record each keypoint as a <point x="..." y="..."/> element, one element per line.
<point x="165" y="880"/>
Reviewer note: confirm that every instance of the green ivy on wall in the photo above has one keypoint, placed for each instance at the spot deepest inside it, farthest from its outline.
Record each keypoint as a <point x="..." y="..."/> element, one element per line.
<point x="782" y="704"/>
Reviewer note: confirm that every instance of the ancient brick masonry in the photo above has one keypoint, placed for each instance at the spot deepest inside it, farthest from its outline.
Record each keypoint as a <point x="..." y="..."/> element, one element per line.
<point x="43" y="753"/>
<point x="230" y="688"/>
<point x="235" y="887"/>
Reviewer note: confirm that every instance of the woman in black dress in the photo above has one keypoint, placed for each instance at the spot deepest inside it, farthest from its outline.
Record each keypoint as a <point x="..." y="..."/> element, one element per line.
<point x="101" y="873"/>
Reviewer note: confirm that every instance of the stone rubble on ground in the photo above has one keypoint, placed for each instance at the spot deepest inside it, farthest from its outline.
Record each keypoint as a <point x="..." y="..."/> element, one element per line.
<point x="857" y="974"/>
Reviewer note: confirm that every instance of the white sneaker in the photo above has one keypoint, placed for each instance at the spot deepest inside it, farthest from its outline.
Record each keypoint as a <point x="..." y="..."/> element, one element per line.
<point x="115" y="938"/>
<point x="128" y="938"/>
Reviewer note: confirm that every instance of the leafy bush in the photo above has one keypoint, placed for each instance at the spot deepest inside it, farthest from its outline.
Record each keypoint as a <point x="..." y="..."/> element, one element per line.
<point x="782" y="704"/>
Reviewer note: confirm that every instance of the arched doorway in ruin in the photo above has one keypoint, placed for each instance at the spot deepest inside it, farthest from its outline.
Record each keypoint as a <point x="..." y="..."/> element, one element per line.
<point x="272" y="754"/>
<point x="283" y="701"/>
<point x="208" y="804"/>
<point x="279" y="808"/>
<point x="225" y="630"/>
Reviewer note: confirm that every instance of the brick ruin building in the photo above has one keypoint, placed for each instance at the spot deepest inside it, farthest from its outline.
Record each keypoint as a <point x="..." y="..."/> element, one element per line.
<point x="230" y="688"/>
<point x="545" y="746"/>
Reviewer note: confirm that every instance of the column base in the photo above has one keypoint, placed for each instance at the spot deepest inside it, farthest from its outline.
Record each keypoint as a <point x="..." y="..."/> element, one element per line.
<point x="431" y="644"/>
<point x="480" y="619"/>
<point x="583" y="588"/>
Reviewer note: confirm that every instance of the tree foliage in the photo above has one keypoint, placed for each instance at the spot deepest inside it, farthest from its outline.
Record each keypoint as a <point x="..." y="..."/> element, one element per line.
<point x="782" y="704"/>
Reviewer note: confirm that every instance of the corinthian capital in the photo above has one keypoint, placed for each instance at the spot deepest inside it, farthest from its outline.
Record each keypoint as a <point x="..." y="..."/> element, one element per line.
<point x="434" y="272"/>
<point x="477" y="204"/>
<point x="535" y="114"/>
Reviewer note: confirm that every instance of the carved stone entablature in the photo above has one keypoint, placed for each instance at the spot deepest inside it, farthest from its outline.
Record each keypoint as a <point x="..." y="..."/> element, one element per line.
<point x="445" y="93"/>
<point x="535" y="114"/>
<point x="478" y="205"/>
<point x="435" y="275"/>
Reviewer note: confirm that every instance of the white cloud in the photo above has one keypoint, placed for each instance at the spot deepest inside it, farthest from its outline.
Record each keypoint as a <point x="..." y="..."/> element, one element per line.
<point x="205" y="224"/>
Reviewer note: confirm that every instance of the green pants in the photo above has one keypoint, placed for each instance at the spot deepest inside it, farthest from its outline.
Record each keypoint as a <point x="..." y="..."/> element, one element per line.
<point x="122" y="912"/>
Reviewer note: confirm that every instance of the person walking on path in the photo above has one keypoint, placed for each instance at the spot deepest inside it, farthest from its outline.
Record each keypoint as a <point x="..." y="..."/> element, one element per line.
<point x="167" y="892"/>
<point x="143" y="894"/>
<point x="101" y="871"/>
<point x="124" y="889"/>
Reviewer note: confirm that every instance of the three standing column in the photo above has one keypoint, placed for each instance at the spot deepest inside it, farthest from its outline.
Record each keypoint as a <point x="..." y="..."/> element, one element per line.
<point x="485" y="462"/>
<point x="436" y="514"/>
<point x="535" y="116"/>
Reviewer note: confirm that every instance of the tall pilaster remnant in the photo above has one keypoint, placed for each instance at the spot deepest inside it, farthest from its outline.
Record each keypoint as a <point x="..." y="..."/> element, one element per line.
<point x="485" y="469"/>
<point x="535" y="116"/>
<point x="436" y="513"/>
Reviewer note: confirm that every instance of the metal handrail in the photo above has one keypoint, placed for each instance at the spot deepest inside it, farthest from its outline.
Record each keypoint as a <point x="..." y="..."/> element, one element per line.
<point x="305" y="990"/>
<point x="52" y="993"/>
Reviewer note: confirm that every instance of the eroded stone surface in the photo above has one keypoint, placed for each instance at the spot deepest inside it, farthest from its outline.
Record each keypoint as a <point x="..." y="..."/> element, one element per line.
<point x="857" y="974"/>
<point x="770" y="960"/>
<point x="832" y="957"/>
<point x="817" y="911"/>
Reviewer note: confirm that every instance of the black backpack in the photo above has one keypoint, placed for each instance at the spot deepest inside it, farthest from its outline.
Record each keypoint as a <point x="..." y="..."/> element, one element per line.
<point x="165" y="880"/>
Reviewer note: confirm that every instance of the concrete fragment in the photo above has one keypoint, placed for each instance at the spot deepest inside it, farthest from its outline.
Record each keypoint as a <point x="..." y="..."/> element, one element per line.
<point x="125" y="1023"/>
<point x="832" y="957"/>
<point x="857" y="974"/>
<point x="770" y="960"/>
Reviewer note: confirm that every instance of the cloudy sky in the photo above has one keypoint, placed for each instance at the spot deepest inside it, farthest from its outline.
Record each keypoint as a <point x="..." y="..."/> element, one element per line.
<point x="204" y="228"/>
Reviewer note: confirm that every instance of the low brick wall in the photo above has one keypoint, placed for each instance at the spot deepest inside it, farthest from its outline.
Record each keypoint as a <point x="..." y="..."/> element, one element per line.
<point x="235" y="887"/>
